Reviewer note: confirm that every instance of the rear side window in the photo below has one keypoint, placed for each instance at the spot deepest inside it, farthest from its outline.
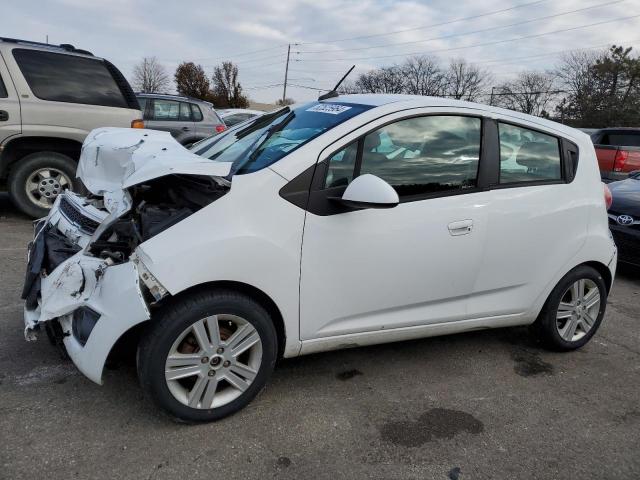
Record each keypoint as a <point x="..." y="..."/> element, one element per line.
<point x="171" y="110"/>
<point x="196" y="112"/>
<point x="527" y="155"/>
<point x="3" y="89"/>
<point x="68" y="78"/>
<point x="622" y="140"/>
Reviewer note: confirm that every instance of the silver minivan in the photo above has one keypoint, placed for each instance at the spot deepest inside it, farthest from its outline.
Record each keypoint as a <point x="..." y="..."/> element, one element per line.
<point x="51" y="97"/>
<point x="187" y="119"/>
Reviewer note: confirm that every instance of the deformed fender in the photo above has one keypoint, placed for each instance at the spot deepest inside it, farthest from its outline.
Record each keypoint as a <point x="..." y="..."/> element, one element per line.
<point x="112" y="291"/>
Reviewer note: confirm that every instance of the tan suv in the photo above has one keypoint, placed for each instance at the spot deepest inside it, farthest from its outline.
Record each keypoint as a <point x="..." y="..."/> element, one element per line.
<point x="51" y="97"/>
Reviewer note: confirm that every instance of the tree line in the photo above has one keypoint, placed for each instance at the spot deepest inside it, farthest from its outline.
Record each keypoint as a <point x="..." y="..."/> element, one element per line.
<point x="585" y="89"/>
<point x="223" y="89"/>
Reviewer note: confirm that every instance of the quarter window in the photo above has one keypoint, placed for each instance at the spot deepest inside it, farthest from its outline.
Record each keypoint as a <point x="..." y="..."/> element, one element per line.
<point x="69" y="78"/>
<point x="527" y="155"/>
<point x="342" y="166"/>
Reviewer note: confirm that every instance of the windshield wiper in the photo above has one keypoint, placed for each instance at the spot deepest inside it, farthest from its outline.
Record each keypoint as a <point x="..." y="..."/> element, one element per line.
<point x="252" y="150"/>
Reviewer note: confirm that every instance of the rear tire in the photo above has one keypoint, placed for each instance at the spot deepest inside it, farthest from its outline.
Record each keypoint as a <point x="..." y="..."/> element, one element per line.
<point x="37" y="179"/>
<point x="192" y="366"/>
<point x="574" y="310"/>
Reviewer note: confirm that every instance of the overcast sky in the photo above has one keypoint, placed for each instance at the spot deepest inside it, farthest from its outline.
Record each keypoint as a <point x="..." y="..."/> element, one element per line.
<point x="124" y="31"/>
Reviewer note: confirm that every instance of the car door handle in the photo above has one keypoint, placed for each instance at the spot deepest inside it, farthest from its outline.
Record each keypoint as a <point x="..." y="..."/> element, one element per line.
<point x="4" y="115"/>
<point x="461" y="227"/>
<point x="185" y="129"/>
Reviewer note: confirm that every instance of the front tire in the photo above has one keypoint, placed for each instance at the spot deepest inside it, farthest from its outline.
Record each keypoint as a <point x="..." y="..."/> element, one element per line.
<point x="574" y="310"/>
<point x="37" y="179"/>
<point x="207" y="355"/>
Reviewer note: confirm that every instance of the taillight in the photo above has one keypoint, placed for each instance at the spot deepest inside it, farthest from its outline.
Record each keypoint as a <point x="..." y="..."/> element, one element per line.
<point x="138" y="123"/>
<point x="619" y="160"/>
<point x="220" y="128"/>
<point x="608" y="198"/>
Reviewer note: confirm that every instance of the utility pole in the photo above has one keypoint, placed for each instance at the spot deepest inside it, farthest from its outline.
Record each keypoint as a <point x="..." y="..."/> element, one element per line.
<point x="491" y="99"/>
<point x="286" y="74"/>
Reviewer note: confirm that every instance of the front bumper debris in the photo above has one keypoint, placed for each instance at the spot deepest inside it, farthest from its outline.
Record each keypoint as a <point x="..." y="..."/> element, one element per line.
<point x="62" y="278"/>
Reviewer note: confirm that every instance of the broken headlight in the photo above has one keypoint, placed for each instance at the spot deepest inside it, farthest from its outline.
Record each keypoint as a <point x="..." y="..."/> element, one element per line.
<point x="155" y="288"/>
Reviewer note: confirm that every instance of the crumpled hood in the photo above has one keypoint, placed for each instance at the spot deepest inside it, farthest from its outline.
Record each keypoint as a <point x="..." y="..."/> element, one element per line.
<point x="114" y="159"/>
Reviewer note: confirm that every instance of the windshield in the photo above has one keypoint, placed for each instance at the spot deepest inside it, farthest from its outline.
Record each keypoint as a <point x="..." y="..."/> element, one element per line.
<point x="262" y="141"/>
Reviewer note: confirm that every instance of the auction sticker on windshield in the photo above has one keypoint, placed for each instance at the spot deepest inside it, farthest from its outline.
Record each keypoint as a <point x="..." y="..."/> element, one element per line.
<point x="331" y="108"/>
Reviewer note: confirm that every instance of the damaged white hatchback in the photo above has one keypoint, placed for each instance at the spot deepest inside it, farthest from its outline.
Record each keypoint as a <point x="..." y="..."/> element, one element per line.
<point x="348" y="221"/>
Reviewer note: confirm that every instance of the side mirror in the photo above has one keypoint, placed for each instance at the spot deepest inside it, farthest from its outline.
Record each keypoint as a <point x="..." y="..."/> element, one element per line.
<point x="369" y="191"/>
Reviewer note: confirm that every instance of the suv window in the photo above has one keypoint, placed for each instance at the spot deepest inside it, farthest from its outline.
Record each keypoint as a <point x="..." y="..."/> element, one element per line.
<point x="3" y="89"/>
<point x="527" y="155"/>
<point x="621" y="139"/>
<point x="417" y="156"/>
<point x="196" y="112"/>
<point x="171" y="110"/>
<point x="143" y="106"/>
<point x="68" y="78"/>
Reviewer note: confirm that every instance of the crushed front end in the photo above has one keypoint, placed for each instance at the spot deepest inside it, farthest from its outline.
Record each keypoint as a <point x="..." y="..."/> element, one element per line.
<point x="86" y="282"/>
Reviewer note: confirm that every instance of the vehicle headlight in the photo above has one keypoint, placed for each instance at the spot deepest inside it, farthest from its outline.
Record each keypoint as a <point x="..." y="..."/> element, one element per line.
<point x="153" y="285"/>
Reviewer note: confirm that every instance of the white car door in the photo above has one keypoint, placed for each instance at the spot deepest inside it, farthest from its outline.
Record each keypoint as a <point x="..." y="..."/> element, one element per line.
<point x="537" y="221"/>
<point x="414" y="264"/>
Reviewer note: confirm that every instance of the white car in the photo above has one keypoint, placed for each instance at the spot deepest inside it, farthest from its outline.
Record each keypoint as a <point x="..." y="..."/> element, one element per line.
<point x="233" y="116"/>
<point x="357" y="220"/>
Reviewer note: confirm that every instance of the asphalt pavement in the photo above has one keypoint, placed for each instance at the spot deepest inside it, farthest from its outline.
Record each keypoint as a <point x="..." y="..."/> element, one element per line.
<point x="482" y="405"/>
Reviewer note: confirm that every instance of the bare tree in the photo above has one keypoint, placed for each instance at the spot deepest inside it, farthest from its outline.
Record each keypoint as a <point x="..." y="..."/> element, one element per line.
<point x="423" y="76"/>
<point x="466" y="81"/>
<point x="382" y="80"/>
<point x="530" y="92"/>
<point x="191" y="81"/>
<point x="149" y="76"/>
<point x="227" y="91"/>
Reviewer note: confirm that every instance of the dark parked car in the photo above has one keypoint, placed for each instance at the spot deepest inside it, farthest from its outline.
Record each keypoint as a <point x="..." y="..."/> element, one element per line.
<point x="618" y="152"/>
<point x="624" y="218"/>
<point x="187" y="119"/>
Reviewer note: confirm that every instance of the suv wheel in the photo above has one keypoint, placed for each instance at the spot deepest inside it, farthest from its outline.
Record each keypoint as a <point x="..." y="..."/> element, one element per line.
<point x="37" y="179"/>
<point x="574" y="310"/>
<point x="207" y="355"/>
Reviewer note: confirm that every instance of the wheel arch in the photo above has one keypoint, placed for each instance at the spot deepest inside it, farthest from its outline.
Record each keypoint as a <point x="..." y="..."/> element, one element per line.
<point x="22" y="146"/>
<point x="130" y="338"/>
<point x="603" y="270"/>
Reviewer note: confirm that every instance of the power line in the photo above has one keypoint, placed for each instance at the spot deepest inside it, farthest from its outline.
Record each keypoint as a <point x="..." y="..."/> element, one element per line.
<point x="524" y="22"/>
<point x="473" y="17"/>
<point x="496" y="42"/>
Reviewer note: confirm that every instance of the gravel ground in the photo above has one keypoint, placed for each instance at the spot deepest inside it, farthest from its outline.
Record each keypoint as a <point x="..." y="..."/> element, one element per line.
<point x="487" y="404"/>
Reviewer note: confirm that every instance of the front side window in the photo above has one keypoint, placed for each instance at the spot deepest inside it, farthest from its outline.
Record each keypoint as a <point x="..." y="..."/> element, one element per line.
<point x="69" y="78"/>
<point x="143" y="106"/>
<point x="263" y="140"/>
<point x="527" y="155"/>
<point x="417" y="156"/>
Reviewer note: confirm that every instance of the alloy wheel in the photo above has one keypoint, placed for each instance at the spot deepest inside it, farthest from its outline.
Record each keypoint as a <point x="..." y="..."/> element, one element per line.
<point x="578" y="310"/>
<point x="45" y="184"/>
<point x="213" y="361"/>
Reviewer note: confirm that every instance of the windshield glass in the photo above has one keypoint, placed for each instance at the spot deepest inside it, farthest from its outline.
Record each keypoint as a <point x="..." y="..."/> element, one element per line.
<point x="262" y="141"/>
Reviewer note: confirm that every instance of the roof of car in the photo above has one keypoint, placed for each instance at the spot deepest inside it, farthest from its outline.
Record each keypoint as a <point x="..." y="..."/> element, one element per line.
<point x="231" y="111"/>
<point x="171" y="97"/>
<point x="418" y="101"/>
<point x="608" y="129"/>
<point x="65" y="47"/>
